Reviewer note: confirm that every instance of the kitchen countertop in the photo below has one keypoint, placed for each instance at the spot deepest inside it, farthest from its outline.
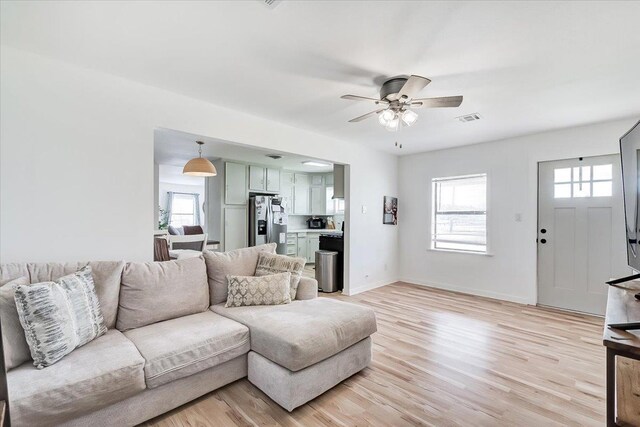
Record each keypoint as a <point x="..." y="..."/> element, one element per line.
<point x="313" y="230"/>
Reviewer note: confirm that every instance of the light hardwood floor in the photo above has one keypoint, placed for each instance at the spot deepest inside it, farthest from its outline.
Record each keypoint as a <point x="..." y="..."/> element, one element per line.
<point x="443" y="359"/>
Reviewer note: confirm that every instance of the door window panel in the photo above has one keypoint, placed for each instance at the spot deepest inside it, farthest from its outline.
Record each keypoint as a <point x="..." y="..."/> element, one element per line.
<point x="583" y="181"/>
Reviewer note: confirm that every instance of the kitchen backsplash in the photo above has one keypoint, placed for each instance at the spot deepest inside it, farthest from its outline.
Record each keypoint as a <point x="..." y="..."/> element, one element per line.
<point x="297" y="222"/>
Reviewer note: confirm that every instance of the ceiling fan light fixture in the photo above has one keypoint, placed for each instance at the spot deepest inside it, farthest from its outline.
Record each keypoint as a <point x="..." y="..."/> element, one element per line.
<point x="393" y="125"/>
<point x="382" y="120"/>
<point x="409" y="117"/>
<point x="199" y="166"/>
<point x="388" y="115"/>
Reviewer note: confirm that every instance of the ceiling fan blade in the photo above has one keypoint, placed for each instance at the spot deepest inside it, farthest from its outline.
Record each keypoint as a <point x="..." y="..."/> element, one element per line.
<point x="445" y="101"/>
<point x="363" y="98"/>
<point x="413" y="85"/>
<point x="364" y="116"/>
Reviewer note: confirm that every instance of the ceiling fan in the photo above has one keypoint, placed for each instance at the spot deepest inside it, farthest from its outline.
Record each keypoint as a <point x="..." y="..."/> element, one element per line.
<point x="397" y="98"/>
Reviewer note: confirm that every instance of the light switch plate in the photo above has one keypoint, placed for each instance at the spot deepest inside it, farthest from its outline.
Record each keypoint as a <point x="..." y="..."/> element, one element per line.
<point x="364" y="209"/>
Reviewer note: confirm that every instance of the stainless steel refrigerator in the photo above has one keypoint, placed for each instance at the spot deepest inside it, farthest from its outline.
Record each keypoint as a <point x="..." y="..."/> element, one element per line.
<point x="268" y="222"/>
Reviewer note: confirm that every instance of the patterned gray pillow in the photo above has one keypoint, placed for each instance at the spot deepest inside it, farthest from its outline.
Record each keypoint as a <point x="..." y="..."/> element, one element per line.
<point x="274" y="263"/>
<point x="265" y="290"/>
<point x="16" y="350"/>
<point x="59" y="316"/>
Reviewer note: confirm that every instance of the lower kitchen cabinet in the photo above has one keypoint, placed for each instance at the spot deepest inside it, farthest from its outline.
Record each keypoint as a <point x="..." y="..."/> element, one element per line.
<point x="313" y="244"/>
<point x="292" y="244"/>
<point x="235" y="228"/>
<point x="302" y="245"/>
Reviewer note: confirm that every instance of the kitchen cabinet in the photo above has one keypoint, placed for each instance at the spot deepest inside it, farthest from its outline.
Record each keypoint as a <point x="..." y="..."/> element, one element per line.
<point x="256" y="178"/>
<point x="264" y="179"/>
<point x="316" y="179"/>
<point x="292" y="244"/>
<point x="273" y="180"/>
<point x="313" y="244"/>
<point x="235" y="228"/>
<point x="235" y="179"/>
<point x="287" y="182"/>
<point x="302" y="245"/>
<point x="301" y="194"/>
<point x="318" y="199"/>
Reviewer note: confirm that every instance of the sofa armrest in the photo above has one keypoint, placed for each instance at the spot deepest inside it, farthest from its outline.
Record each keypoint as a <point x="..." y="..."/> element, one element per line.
<point x="307" y="288"/>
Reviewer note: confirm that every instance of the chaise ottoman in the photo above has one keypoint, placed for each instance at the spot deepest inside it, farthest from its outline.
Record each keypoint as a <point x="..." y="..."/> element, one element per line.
<point x="302" y="349"/>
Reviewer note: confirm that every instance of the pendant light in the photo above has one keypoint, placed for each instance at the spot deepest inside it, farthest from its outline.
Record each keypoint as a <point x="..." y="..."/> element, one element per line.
<point x="199" y="166"/>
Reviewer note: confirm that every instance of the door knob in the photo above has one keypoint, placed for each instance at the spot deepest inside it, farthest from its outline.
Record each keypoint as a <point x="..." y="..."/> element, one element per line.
<point x="543" y="241"/>
<point x="544" y="230"/>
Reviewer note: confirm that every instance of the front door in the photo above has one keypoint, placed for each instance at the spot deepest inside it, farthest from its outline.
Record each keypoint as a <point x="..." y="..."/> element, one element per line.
<point x="581" y="232"/>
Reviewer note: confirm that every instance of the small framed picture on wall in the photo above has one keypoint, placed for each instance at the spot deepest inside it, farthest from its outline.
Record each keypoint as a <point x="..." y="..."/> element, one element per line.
<point x="390" y="210"/>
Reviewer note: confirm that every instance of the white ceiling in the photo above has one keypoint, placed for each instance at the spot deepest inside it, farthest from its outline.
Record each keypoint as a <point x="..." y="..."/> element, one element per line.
<point x="524" y="66"/>
<point x="177" y="148"/>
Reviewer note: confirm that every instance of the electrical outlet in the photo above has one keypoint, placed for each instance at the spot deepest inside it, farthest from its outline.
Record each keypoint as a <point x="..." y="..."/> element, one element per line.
<point x="518" y="217"/>
<point x="364" y="209"/>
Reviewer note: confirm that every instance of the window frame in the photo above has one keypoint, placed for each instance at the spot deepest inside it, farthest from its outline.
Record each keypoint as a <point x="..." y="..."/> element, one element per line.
<point x="192" y="214"/>
<point x="434" y="195"/>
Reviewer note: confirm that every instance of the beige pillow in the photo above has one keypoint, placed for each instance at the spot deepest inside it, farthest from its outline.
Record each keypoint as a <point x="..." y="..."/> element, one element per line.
<point x="16" y="349"/>
<point x="264" y="290"/>
<point x="274" y="263"/>
<point x="241" y="262"/>
<point x="155" y="291"/>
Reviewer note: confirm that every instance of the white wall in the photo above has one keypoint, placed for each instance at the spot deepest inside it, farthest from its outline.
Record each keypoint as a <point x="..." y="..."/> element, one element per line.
<point x="77" y="149"/>
<point x="511" y="165"/>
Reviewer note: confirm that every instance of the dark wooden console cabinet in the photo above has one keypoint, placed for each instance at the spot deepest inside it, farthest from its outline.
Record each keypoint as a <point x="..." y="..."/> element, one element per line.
<point x="623" y="356"/>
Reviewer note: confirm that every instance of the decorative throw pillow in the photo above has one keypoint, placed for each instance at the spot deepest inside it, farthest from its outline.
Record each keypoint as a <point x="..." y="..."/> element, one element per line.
<point x="274" y="263"/>
<point x="16" y="350"/>
<point x="264" y="290"/>
<point x="59" y="316"/>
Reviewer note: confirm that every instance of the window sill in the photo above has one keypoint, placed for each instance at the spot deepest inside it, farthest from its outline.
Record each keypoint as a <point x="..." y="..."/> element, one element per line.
<point x="454" y="251"/>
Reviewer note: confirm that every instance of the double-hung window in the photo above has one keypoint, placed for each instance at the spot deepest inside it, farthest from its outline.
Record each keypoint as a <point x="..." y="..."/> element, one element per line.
<point x="183" y="209"/>
<point x="459" y="214"/>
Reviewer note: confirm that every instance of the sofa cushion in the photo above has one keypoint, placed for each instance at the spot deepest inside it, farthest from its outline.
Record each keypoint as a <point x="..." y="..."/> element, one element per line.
<point x="106" y="278"/>
<point x="58" y="317"/>
<point x="155" y="291"/>
<point x="265" y="290"/>
<point x="105" y="371"/>
<point x="302" y="333"/>
<point x="241" y="262"/>
<point x="275" y="263"/>
<point x="11" y="271"/>
<point x="16" y="349"/>
<point x="184" y="346"/>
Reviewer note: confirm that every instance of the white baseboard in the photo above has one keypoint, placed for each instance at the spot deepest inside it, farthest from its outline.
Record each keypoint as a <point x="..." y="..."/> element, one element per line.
<point x="470" y="291"/>
<point x="368" y="286"/>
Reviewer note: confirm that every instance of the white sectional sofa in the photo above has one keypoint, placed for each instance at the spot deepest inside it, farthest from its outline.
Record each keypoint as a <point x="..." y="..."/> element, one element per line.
<point x="170" y="340"/>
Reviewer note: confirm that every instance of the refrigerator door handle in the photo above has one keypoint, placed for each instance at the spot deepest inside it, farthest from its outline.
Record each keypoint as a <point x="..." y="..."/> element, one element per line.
<point x="269" y="225"/>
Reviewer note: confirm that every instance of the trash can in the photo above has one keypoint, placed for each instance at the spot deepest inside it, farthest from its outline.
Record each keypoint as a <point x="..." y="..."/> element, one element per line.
<point x="327" y="270"/>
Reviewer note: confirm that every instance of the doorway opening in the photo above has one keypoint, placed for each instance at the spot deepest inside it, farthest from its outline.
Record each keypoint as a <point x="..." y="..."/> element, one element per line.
<point x="305" y="197"/>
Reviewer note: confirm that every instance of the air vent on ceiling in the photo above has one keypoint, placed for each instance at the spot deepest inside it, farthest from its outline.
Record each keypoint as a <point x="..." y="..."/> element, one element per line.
<point x="274" y="156"/>
<point x="271" y="3"/>
<point x="469" y="118"/>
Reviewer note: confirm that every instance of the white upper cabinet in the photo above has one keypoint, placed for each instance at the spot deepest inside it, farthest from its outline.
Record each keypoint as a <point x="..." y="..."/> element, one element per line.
<point x="318" y="197"/>
<point x="235" y="179"/>
<point x="257" y="178"/>
<point x="301" y="195"/>
<point x="286" y="190"/>
<point x="273" y="180"/>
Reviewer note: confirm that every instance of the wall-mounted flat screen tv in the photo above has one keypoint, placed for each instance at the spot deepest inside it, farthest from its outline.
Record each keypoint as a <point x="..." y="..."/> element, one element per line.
<point x="630" y="154"/>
